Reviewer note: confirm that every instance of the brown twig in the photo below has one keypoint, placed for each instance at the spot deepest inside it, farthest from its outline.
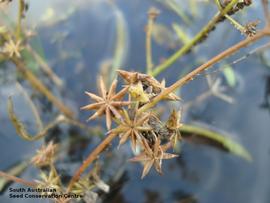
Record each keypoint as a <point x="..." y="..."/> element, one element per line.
<point x="91" y="157"/>
<point x="38" y="85"/>
<point x="18" y="180"/>
<point x="45" y="67"/>
<point x="265" y="5"/>
<point x="94" y="154"/>
<point x="212" y="61"/>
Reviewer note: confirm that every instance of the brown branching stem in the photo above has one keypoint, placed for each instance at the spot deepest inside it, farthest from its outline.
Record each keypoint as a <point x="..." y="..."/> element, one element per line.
<point x="39" y="86"/>
<point x="18" y="180"/>
<point x="94" y="154"/>
<point x="91" y="157"/>
<point x="45" y="67"/>
<point x="190" y="76"/>
<point x="265" y="5"/>
<point x="197" y="71"/>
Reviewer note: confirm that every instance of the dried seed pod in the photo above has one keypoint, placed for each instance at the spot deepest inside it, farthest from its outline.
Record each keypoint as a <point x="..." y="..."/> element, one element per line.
<point x="152" y="156"/>
<point x="153" y="13"/>
<point x="45" y="155"/>
<point x="173" y="122"/>
<point x="173" y="125"/>
<point x="158" y="128"/>
<point x="250" y="28"/>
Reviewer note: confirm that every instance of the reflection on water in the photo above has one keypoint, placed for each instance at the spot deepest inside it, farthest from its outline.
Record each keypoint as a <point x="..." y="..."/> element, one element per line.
<point x="78" y="37"/>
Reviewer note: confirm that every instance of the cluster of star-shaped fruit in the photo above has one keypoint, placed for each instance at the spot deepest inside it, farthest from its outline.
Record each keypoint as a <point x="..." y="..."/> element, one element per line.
<point x="143" y="129"/>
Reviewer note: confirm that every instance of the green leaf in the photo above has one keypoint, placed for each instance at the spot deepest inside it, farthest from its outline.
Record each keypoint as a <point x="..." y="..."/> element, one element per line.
<point x="210" y="137"/>
<point x="229" y="75"/>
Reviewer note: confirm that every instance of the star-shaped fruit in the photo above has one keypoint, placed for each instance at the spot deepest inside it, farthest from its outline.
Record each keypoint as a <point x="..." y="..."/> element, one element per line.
<point x="154" y="156"/>
<point x="109" y="103"/>
<point x="173" y="125"/>
<point x="13" y="48"/>
<point x="45" y="155"/>
<point x="132" y="126"/>
<point x="51" y="181"/>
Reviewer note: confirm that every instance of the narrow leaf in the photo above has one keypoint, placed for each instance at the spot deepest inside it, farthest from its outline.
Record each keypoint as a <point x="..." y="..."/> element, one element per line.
<point x="216" y="139"/>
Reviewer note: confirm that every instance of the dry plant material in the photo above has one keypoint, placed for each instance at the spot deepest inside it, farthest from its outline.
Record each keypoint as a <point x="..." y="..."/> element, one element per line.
<point x="5" y="1"/>
<point x="45" y="156"/>
<point x="108" y="103"/>
<point x="13" y="48"/>
<point x="250" y="29"/>
<point x="21" y="130"/>
<point x="173" y="125"/>
<point x="132" y="126"/>
<point x="152" y="156"/>
<point x="134" y="119"/>
<point x="49" y="181"/>
<point x="151" y="86"/>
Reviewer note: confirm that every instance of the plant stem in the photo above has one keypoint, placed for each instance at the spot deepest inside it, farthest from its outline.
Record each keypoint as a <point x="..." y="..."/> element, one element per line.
<point x="45" y="67"/>
<point x="91" y="157"/>
<point x="21" y="130"/>
<point x="38" y="85"/>
<point x="94" y="154"/>
<point x="18" y="180"/>
<point x="237" y="25"/>
<point x="265" y="5"/>
<point x="152" y="15"/>
<point x="149" y="30"/>
<point x="219" y="139"/>
<point x="204" y="66"/>
<point x="234" y="22"/>
<point x="218" y="5"/>
<point x="204" y="31"/>
<point x="19" y="20"/>
<point x="31" y="104"/>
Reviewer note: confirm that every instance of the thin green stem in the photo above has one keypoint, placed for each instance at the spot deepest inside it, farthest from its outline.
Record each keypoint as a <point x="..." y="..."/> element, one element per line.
<point x="217" y="138"/>
<point x="149" y="30"/>
<point x="20" y="128"/>
<point x="19" y="19"/>
<point x="31" y="104"/>
<point x="204" y="31"/>
<point x="237" y="25"/>
<point x="218" y="5"/>
<point x="233" y="21"/>
<point x="152" y="14"/>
